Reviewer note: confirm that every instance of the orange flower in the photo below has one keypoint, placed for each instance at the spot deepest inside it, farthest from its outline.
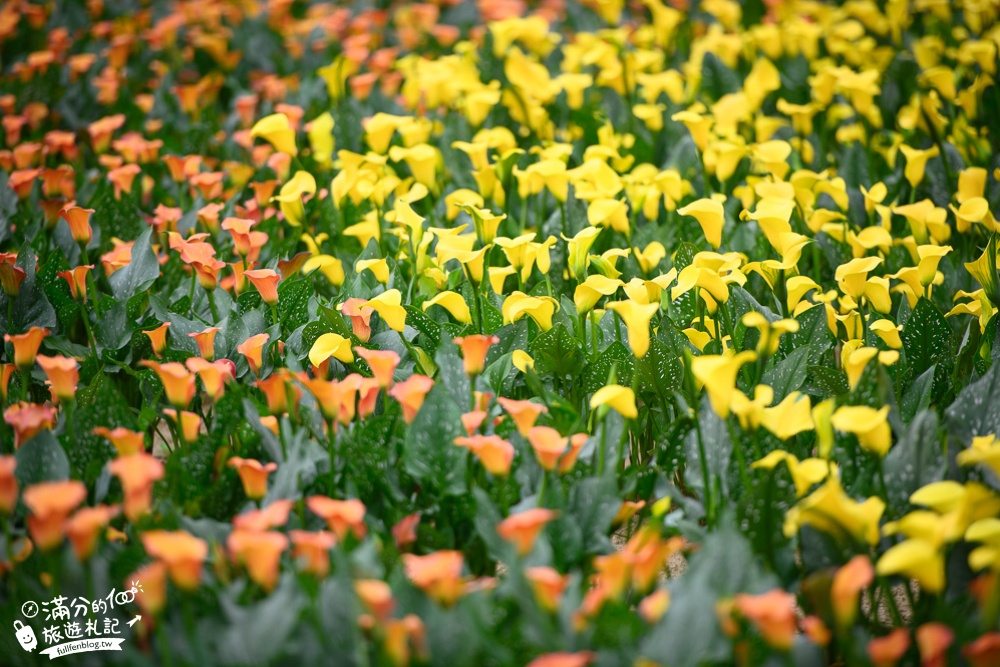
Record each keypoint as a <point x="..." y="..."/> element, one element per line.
<point x="580" y="659"/>
<point x="77" y="281"/>
<point x="341" y="516"/>
<point x="376" y="596"/>
<point x="122" y="179"/>
<point x="182" y="552"/>
<point x="154" y="587"/>
<point x="327" y="394"/>
<point x="382" y="362"/>
<point x="522" y="529"/>
<point x="178" y="382"/>
<point x="552" y="449"/>
<point x="253" y="349"/>
<point x="411" y="393"/>
<point x="11" y="276"/>
<point x="933" y="640"/>
<point x="493" y="452"/>
<point x="117" y="258"/>
<point x="360" y="316"/>
<point x="214" y="375"/>
<point x="260" y="553"/>
<point x="26" y="346"/>
<point x="437" y="574"/>
<point x="158" y="338"/>
<point x="246" y="241"/>
<point x="253" y="474"/>
<point x="985" y="651"/>
<point x="848" y="583"/>
<point x="137" y="474"/>
<point x="816" y="630"/>
<point x="547" y="585"/>
<point x="63" y="375"/>
<point x="266" y="282"/>
<point x="28" y="420"/>
<point x="275" y="515"/>
<point x="206" y="342"/>
<point x="8" y="484"/>
<point x="889" y="650"/>
<point x="473" y="420"/>
<point x="404" y="533"/>
<point x="474" y="349"/>
<point x="275" y="391"/>
<point x="78" y="220"/>
<point x="85" y="527"/>
<point x="772" y="613"/>
<point x="50" y="503"/>
<point x="188" y="423"/>
<point x="524" y="413"/>
<point x="125" y="441"/>
<point x="6" y="372"/>
<point x="312" y="551"/>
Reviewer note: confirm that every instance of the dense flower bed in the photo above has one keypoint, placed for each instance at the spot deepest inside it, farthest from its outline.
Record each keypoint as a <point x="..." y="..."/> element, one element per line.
<point x="562" y="333"/>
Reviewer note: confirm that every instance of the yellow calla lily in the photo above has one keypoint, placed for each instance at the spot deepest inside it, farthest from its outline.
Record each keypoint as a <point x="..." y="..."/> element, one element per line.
<point x="621" y="399"/>
<point x="539" y="308"/>
<point x="277" y="130"/>
<point x="387" y="305"/>
<point x="636" y="317"/>
<point x="453" y="303"/>
<point x="710" y="215"/>
<point x="378" y="267"/>
<point x="290" y="196"/>
<point x="915" y="559"/>
<point x="868" y="424"/>
<point x="717" y="374"/>
<point x="331" y="345"/>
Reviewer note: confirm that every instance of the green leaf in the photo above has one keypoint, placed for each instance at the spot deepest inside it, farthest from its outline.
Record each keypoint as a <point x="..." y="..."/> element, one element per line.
<point x="976" y="410"/>
<point x="293" y="303"/>
<point x="918" y="396"/>
<point x="420" y="321"/>
<point x="718" y="448"/>
<point x="660" y="371"/>
<point x="41" y="459"/>
<point x="914" y="461"/>
<point x="556" y="351"/>
<point x="429" y="453"/>
<point x="451" y="373"/>
<point x="788" y="374"/>
<point x="616" y="355"/>
<point x="927" y="338"/>
<point x="814" y="333"/>
<point x="140" y="273"/>
<point x="113" y="329"/>
<point x="825" y="382"/>
<point x="31" y="308"/>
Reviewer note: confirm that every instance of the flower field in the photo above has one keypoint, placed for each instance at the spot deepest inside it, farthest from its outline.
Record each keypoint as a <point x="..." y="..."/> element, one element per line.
<point x="501" y="333"/>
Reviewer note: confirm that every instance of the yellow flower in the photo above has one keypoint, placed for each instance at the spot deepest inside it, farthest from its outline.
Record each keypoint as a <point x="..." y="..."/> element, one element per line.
<point x="636" y="317"/>
<point x="916" y="162"/>
<point x="276" y="130"/>
<point x="539" y="308"/>
<point x="915" y="559"/>
<point x="788" y="418"/>
<point x="855" y="358"/>
<point x="710" y="215"/>
<point x="579" y="251"/>
<point x="290" y="196"/>
<point x="621" y="399"/>
<point x="986" y="531"/>
<point x="804" y="473"/>
<point x="770" y="332"/>
<point x="984" y="270"/>
<point x="423" y="160"/>
<point x="453" y="303"/>
<point x="649" y="257"/>
<point x="930" y="256"/>
<point x="321" y="139"/>
<point x="522" y="360"/>
<point x="331" y="345"/>
<point x="985" y="450"/>
<point x="519" y="253"/>
<point x="830" y="510"/>
<point x="378" y="267"/>
<point x="868" y="424"/>
<point x="717" y="374"/>
<point x="607" y="212"/>
<point x="851" y="277"/>
<point x="888" y="332"/>
<point x="387" y="305"/>
<point x="822" y="414"/>
<point x="486" y="222"/>
<point x="590" y="291"/>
